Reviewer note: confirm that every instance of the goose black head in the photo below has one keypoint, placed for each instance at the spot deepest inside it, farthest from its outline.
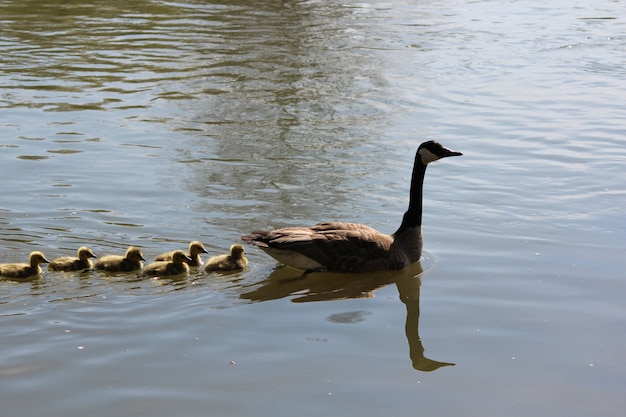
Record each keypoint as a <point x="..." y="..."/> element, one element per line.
<point x="432" y="150"/>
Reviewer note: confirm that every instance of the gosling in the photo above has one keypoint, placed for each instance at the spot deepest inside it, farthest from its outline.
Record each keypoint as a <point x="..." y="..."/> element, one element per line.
<point x="177" y="266"/>
<point x="234" y="261"/>
<point x="195" y="249"/>
<point x="69" y="263"/>
<point x="131" y="261"/>
<point x="24" y="270"/>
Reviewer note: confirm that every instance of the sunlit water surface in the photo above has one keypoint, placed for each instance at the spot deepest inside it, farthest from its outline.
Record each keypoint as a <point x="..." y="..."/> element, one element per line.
<point x="154" y="123"/>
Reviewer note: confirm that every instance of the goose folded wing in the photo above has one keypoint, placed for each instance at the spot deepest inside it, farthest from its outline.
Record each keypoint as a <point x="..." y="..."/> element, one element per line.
<point x="329" y="244"/>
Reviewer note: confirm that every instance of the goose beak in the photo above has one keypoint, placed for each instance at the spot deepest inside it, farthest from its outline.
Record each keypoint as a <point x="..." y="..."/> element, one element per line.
<point x="447" y="152"/>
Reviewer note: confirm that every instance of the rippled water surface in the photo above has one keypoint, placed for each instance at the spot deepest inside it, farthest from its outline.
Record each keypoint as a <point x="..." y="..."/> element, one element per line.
<point x="154" y="123"/>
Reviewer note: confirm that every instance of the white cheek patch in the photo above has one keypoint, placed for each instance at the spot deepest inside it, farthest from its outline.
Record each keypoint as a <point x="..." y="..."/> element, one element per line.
<point x="427" y="156"/>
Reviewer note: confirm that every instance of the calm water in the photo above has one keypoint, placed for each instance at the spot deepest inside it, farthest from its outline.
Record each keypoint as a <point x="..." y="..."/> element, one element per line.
<point x="155" y="123"/>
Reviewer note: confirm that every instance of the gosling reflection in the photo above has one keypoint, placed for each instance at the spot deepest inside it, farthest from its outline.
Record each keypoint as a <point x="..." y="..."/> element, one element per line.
<point x="286" y="282"/>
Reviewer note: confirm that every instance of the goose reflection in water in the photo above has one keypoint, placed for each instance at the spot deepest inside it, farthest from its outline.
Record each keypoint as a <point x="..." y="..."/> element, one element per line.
<point x="286" y="282"/>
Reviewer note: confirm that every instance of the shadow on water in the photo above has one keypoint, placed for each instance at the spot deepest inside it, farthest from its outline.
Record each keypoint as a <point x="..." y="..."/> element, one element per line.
<point x="285" y="282"/>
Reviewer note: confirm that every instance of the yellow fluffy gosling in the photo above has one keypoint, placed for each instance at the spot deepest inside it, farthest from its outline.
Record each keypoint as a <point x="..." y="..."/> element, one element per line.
<point x="195" y="249"/>
<point x="24" y="270"/>
<point x="177" y="266"/>
<point x="233" y="261"/>
<point x="81" y="262"/>
<point x="131" y="261"/>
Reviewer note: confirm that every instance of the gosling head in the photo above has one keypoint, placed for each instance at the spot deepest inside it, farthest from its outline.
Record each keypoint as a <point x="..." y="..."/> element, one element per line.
<point x="237" y="251"/>
<point x="196" y="248"/>
<point x="178" y="257"/>
<point x="85" y="253"/>
<point x="37" y="258"/>
<point x="134" y="254"/>
<point x="431" y="151"/>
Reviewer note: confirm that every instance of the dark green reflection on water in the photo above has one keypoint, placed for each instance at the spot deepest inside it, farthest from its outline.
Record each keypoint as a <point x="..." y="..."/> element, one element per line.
<point x="286" y="282"/>
<point x="270" y="100"/>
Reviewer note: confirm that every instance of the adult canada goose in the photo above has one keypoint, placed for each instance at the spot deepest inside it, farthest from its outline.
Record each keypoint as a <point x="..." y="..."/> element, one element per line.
<point x="178" y="265"/>
<point x="195" y="249"/>
<point x="69" y="263"/>
<point x="233" y="261"/>
<point x="352" y="247"/>
<point x="131" y="261"/>
<point x="24" y="270"/>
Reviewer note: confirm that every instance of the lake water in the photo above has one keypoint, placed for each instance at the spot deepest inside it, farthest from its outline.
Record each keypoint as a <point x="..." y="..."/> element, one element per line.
<point x="154" y="123"/>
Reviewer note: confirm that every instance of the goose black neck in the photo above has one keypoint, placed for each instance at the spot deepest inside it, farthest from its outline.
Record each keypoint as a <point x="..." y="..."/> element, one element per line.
<point x="413" y="215"/>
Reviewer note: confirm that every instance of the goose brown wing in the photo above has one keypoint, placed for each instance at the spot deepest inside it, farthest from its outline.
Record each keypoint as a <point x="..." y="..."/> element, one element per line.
<point x="336" y="245"/>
